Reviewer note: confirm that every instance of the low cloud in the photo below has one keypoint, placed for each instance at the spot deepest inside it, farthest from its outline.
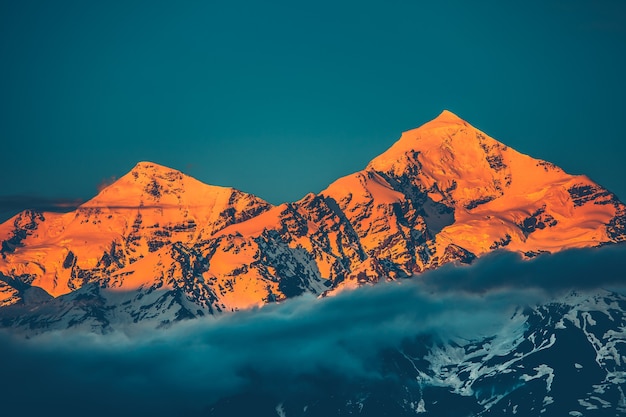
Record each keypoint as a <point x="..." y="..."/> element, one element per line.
<point x="15" y="203"/>
<point x="187" y="367"/>
<point x="574" y="269"/>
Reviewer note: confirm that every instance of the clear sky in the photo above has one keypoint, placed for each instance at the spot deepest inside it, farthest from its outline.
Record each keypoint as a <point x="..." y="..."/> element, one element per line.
<point x="279" y="98"/>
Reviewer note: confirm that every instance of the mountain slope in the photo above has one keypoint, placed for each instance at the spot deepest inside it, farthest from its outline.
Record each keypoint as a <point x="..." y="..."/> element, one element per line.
<point x="444" y="192"/>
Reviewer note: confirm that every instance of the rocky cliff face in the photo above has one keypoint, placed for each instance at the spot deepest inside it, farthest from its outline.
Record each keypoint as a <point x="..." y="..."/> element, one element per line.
<point x="160" y="244"/>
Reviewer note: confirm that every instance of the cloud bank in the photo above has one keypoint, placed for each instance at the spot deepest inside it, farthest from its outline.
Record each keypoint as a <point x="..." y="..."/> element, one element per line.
<point x="574" y="269"/>
<point x="184" y="369"/>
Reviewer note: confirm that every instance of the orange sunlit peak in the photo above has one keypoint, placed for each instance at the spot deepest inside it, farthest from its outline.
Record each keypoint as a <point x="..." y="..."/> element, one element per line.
<point x="147" y="165"/>
<point x="448" y="116"/>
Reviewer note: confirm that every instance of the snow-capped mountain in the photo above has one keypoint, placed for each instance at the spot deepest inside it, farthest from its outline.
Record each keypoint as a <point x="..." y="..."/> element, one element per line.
<point x="159" y="245"/>
<point x="118" y="275"/>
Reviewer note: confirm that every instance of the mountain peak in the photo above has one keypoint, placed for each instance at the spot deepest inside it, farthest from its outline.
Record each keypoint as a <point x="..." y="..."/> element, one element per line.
<point x="448" y="116"/>
<point x="150" y="168"/>
<point x="432" y="135"/>
<point x="147" y="180"/>
<point x="147" y="164"/>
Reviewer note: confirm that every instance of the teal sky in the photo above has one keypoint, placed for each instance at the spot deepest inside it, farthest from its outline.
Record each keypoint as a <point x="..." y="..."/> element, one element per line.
<point x="279" y="98"/>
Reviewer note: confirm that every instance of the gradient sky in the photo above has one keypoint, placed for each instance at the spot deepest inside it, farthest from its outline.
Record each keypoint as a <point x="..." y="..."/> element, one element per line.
<point x="280" y="98"/>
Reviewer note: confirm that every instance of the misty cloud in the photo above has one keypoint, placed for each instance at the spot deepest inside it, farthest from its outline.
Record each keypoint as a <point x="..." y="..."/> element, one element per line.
<point x="13" y="204"/>
<point x="574" y="269"/>
<point x="196" y="362"/>
<point x="187" y="367"/>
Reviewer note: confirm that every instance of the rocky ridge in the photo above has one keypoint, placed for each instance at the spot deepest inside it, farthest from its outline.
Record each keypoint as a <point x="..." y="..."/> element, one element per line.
<point x="159" y="244"/>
